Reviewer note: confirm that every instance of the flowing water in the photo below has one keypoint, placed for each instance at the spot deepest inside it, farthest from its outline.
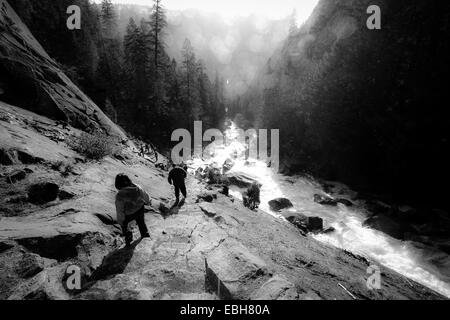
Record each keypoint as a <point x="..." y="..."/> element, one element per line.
<point x="417" y="262"/>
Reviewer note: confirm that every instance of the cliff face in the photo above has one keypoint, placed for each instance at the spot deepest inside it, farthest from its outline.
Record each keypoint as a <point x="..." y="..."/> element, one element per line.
<point x="32" y="80"/>
<point x="370" y="99"/>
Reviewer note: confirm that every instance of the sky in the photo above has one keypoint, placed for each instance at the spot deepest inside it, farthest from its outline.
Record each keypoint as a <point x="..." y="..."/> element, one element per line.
<point x="231" y="8"/>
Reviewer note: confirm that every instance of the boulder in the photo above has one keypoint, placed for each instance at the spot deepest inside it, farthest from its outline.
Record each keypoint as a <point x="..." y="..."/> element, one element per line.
<point x="309" y="296"/>
<point x="206" y="197"/>
<point x="20" y="199"/>
<point x="46" y="285"/>
<point x="379" y="208"/>
<point x="345" y="202"/>
<point x="329" y="230"/>
<point x="387" y="225"/>
<point x="414" y="216"/>
<point x="325" y="200"/>
<point x="240" y="179"/>
<point x="200" y="174"/>
<point x="43" y="192"/>
<point x="228" y="165"/>
<point x="208" y="209"/>
<point x="6" y="245"/>
<point x="8" y="157"/>
<point x="16" y="176"/>
<point x="306" y="224"/>
<point x="65" y="195"/>
<point x="17" y="266"/>
<point x="233" y="272"/>
<point x="26" y="158"/>
<point x="225" y="191"/>
<point x="163" y="209"/>
<point x="213" y="175"/>
<point x="280" y="204"/>
<point x="277" y="288"/>
<point x="315" y="224"/>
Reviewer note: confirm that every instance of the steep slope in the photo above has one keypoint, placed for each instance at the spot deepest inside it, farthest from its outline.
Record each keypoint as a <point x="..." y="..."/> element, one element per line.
<point x="204" y="250"/>
<point x="25" y="67"/>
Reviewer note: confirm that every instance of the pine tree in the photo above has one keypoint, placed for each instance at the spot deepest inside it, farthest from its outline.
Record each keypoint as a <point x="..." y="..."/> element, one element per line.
<point x="293" y="27"/>
<point x="204" y="92"/>
<point x="109" y="68"/>
<point x="108" y="19"/>
<point x="188" y="67"/>
<point x="158" y="23"/>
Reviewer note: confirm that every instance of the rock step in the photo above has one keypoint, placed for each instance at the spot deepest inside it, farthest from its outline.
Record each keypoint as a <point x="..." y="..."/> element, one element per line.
<point x="233" y="272"/>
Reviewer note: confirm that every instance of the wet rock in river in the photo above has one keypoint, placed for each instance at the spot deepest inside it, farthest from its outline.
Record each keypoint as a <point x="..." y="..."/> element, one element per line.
<point x="387" y="225"/>
<point x="241" y="180"/>
<point x="280" y="204"/>
<point x="306" y="224"/>
<point x="228" y="165"/>
<point x="325" y="200"/>
<point x="345" y="202"/>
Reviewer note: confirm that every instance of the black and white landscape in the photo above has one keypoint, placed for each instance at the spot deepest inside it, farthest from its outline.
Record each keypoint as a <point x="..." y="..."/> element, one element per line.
<point x="357" y="210"/>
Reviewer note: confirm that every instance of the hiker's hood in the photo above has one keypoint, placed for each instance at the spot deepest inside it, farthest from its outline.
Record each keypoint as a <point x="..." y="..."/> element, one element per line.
<point x="129" y="192"/>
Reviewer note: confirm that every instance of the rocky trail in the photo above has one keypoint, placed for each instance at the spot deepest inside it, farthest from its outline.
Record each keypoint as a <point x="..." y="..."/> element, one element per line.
<point x="212" y="247"/>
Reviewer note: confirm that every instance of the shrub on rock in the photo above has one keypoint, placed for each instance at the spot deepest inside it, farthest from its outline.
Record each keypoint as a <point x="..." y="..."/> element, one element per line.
<point x="94" y="147"/>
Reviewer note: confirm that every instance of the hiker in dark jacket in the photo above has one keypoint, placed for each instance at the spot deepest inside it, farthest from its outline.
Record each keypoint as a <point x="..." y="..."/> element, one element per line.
<point x="130" y="206"/>
<point x="252" y="196"/>
<point x="177" y="177"/>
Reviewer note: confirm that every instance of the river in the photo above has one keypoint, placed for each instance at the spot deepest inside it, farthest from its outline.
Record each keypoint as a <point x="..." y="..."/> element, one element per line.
<point x="416" y="262"/>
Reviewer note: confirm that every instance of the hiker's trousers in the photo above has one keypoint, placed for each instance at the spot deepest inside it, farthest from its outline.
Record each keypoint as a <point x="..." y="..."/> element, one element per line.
<point x="180" y="187"/>
<point x="140" y="221"/>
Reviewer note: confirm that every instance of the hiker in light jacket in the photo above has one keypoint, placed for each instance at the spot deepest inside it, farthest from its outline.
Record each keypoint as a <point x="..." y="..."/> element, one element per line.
<point x="130" y="202"/>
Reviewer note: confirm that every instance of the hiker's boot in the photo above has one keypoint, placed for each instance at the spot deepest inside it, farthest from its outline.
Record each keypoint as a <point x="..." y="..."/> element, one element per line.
<point x="128" y="240"/>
